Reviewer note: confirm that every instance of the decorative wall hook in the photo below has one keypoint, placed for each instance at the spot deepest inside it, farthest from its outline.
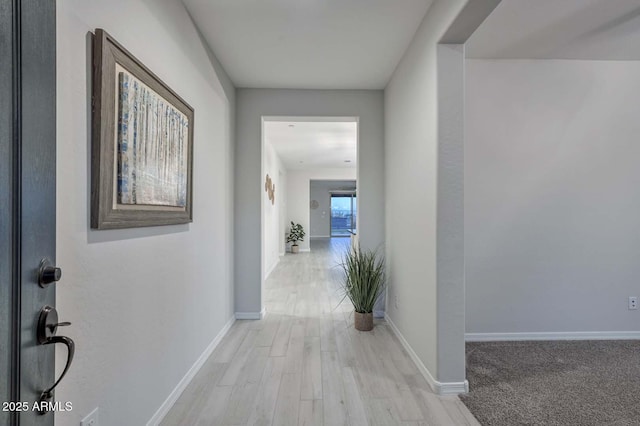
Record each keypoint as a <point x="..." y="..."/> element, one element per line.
<point x="270" y="189"/>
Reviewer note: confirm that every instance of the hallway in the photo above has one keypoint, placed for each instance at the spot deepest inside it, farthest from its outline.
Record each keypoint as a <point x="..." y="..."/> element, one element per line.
<point x="305" y="364"/>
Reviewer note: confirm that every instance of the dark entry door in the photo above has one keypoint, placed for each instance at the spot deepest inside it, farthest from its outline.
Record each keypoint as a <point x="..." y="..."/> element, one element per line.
<point x="27" y="207"/>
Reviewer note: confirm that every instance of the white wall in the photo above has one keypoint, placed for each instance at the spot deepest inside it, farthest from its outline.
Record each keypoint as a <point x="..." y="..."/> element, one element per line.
<point x="272" y="228"/>
<point x="282" y="245"/>
<point x="320" y="218"/>
<point x="145" y="303"/>
<point x="552" y="201"/>
<point x="299" y="190"/>
<point x="252" y="105"/>
<point x="411" y="170"/>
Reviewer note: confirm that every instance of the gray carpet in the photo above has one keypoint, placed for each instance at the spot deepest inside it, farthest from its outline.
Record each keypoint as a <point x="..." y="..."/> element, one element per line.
<point x="554" y="383"/>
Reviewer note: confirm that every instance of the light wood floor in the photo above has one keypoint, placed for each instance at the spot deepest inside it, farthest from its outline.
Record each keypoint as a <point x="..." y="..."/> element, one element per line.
<point x="305" y="364"/>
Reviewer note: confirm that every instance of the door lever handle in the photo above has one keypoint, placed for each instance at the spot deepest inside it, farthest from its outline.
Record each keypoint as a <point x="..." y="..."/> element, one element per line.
<point x="46" y="334"/>
<point x="47" y="395"/>
<point x="54" y="327"/>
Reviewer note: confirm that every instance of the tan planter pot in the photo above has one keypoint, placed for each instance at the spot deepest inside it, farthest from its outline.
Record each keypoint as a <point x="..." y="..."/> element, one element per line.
<point x="295" y="249"/>
<point x="363" y="322"/>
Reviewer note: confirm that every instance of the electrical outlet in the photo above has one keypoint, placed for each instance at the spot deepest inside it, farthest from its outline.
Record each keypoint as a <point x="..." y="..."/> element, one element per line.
<point x="395" y="300"/>
<point x="91" y="419"/>
<point x="633" y="302"/>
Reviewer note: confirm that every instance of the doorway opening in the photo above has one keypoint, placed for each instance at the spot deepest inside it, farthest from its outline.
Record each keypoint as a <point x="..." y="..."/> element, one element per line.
<point x="298" y="153"/>
<point x="343" y="214"/>
<point x="333" y="208"/>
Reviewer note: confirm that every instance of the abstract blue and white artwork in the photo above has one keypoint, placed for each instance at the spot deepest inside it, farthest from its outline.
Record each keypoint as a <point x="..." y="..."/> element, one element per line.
<point x="152" y="156"/>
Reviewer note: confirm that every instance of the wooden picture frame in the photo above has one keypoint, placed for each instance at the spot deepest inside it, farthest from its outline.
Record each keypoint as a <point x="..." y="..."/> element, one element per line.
<point x="142" y="144"/>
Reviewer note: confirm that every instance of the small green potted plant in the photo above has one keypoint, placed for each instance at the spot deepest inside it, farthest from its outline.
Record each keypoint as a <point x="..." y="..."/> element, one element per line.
<point x="364" y="282"/>
<point x="296" y="233"/>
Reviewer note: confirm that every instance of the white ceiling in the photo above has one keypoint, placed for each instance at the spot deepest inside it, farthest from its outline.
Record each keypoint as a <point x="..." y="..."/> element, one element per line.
<point x="310" y="145"/>
<point x="559" y="29"/>
<point x="308" y="44"/>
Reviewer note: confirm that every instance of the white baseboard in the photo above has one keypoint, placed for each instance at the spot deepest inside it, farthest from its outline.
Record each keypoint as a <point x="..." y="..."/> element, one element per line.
<point x="570" y="335"/>
<point x="282" y="253"/>
<point x="251" y="315"/>
<point x="271" y="268"/>
<point x="441" y="388"/>
<point x="307" y="250"/>
<point x="321" y="236"/>
<point x="182" y="385"/>
<point x="452" y="388"/>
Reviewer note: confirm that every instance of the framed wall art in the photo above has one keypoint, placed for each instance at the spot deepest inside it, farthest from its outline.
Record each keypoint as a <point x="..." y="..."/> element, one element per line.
<point x="142" y="144"/>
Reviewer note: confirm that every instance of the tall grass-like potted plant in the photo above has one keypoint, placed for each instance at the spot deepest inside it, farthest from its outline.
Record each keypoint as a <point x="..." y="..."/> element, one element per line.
<point x="364" y="283"/>
<point x="296" y="233"/>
